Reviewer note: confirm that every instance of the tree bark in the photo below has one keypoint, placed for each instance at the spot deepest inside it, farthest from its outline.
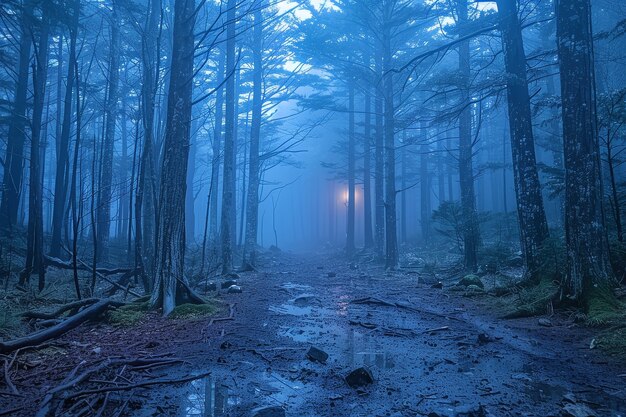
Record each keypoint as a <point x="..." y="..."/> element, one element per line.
<point x="170" y="239"/>
<point x="34" y="245"/>
<point x="62" y="168"/>
<point x="588" y="267"/>
<point x="530" y="211"/>
<point x="105" y="189"/>
<point x="228" y="189"/>
<point x="391" y="238"/>
<point x="216" y="147"/>
<point x="350" y="245"/>
<point x="252" y="214"/>
<point x="379" y="171"/>
<point x="471" y="232"/>
<point x="14" y="158"/>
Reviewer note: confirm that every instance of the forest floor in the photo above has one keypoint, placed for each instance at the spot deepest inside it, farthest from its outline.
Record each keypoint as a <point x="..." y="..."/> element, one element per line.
<point x="432" y="352"/>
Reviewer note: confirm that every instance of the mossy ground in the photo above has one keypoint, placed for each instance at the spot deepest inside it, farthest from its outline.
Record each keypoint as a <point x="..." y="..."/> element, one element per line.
<point x="129" y="315"/>
<point x="186" y="311"/>
<point x="530" y="301"/>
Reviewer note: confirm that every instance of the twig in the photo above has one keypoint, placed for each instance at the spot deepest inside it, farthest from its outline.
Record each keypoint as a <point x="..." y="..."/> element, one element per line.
<point x="142" y="384"/>
<point x="231" y="315"/>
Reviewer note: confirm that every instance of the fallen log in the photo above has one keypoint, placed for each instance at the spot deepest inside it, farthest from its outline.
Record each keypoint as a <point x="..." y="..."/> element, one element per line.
<point x="91" y="312"/>
<point x="60" y="264"/>
<point x="62" y="309"/>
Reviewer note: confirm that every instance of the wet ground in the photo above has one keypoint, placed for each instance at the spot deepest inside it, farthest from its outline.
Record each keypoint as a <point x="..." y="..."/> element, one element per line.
<point x="431" y="352"/>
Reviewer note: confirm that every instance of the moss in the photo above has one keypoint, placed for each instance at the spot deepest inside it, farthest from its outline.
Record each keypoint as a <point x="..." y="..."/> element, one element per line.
<point x="613" y="341"/>
<point x="531" y="301"/>
<point x="469" y="280"/>
<point x="129" y="315"/>
<point x="603" y="308"/>
<point x="185" y="311"/>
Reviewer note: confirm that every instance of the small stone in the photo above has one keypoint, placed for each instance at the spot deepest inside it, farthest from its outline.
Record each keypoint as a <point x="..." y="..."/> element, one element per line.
<point x="317" y="355"/>
<point x="437" y="285"/>
<point x="228" y="283"/>
<point x="484" y="338"/>
<point x="578" y="410"/>
<point x="544" y="322"/>
<point x="211" y="286"/>
<point x="234" y="289"/>
<point x="270" y="412"/>
<point x="360" y="377"/>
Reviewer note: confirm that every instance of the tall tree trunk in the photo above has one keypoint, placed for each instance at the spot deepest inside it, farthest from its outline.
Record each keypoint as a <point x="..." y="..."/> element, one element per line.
<point x="425" y="179"/>
<point x="588" y="267"/>
<point x="170" y="239"/>
<point x="367" y="168"/>
<point x="471" y="235"/>
<point x="34" y="243"/>
<point x="14" y="158"/>
<point x="144" y="200"/>
<point x="350" y="246"/>
<point x="379" y="174"/>
<point x="216" y="147"/>
<point x="530" y="212"/>
<point x="62" y="168"/>
<point x="105" y="190"/>
<point x="252" y="214"/>
<point x="190" y="213"/>
<point x="391" y="238"/>
<point x="228" y="189"/>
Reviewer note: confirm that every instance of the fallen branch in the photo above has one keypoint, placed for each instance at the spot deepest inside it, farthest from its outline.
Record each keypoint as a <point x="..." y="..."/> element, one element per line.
<point x="60" y="264"/>
<point x="62" y="309"/>
<point x="231" y="315"/>
<point x="41" y="336"/>
<point x="142" y="384"/>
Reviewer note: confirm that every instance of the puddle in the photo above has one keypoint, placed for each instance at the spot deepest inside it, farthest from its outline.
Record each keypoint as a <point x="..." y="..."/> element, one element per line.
<point x="291" y="310"/>
<point x="209" y="397"/>
<point x="213" y="397"/>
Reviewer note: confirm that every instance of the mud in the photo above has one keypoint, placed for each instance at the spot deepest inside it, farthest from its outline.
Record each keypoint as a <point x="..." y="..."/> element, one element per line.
<point x="421" y="344"/>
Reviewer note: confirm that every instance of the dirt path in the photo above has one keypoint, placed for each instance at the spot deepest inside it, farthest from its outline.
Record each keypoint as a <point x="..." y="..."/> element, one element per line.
<point x="431" y="353"/>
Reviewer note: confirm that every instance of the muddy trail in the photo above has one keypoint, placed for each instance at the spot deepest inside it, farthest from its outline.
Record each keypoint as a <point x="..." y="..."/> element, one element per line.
<point x="430" y="352"/>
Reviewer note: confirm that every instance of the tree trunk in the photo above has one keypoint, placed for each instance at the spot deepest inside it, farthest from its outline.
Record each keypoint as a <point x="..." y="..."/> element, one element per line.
<point x="391" y="239"/>
<point x="425" y="178"/>
<point x="62" y="168"/>
<point x="367" y="168"/>
<point x="144" y="200"/>
<point x="350" y="246"/>
<point x="105" y="190"/>
<point x="228" y="189"/>
<point x="170" y="239"/>
<point x="14" y="159"/>
<point x="252" y="214"/>
<point x="471" y="232"/>
<point x="531" y="215"/>
<point x="34" y="245"/>
<point x="379" y="180"/>
<point x="216" y="147"/>
<point x="588" y="267"/>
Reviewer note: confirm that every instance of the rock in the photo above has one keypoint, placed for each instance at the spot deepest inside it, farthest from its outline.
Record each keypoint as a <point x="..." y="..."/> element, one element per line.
<point x="473" y="289"/>
<point x="544" y="322"/>
<point x="461" y="411"/>
<point x="471" y="280"/>
<point x="234" y="289"/>
<point x="437" y="285"/>
<point x="228" y="283"/>
<point x="270" y="412"/>
<point x="317" y="355"/>
<point x="211" y="286"/>
<point x="578" y="410"/>
<point x="484" y="338"/>
<point x="232" y="275"/>
<point x="332" y="274"/>
<point x="225" y="345"/>
<point x="360" y="377"/>
<point x="354" y="266"/>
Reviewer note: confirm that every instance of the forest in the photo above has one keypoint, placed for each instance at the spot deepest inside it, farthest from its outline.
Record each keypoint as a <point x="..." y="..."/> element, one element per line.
<point x="277" y="208"/>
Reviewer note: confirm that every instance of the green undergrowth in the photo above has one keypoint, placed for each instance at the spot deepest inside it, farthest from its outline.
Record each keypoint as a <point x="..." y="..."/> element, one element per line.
<point x="529" y="301"/>
<point x="613" y="341"/>
<point x="190" y="311"/>
<point x="604" y="309"/>
<point x="130" y="314"/>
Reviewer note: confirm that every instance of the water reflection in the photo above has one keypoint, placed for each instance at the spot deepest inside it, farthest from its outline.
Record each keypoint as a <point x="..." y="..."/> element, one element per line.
<point x="209" y="397"/>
